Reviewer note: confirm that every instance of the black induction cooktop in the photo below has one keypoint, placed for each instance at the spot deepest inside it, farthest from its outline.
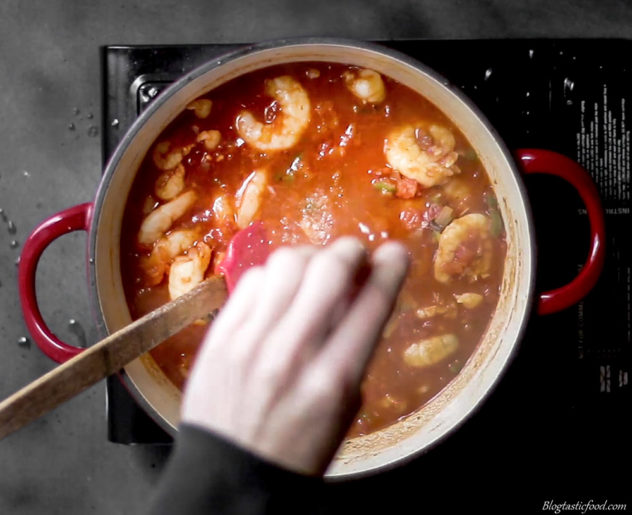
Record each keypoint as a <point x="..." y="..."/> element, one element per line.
<point x="557" y="425"/>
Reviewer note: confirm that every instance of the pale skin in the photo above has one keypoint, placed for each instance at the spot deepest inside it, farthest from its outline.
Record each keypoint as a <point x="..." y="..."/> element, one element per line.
<point x="279" y="371"/>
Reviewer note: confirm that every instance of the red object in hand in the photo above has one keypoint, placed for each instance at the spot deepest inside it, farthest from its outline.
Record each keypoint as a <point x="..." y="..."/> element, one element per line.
<point x="249" y="247"/>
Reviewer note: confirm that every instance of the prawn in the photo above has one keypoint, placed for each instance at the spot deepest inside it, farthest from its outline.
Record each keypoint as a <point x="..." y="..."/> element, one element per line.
<point x="425" y="155"/>
<point x="431" y="350"/>
<point x="249" y="197"/>
<point x="160" y="219"/>
<point x="367" y="85"/>
<point x="188" y="271"/>
<point x="170" y="183"/>
<point x="459" y="194"/>
<point x="210" y="138"/>
<point x="469" y="300"/>
<point x="465" y="249"/>
<point x="165" y="250"/>
<point x="223" y="209"/>
<point x="287" y="128"/>
<point x="447" y="310"/>
<point x="201" y="107"/>
<point x="165" y="157"/>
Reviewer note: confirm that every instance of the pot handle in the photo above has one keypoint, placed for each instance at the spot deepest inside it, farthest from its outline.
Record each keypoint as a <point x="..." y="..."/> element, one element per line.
<point x="548" y="162"/>
<point x="76" y="218"/>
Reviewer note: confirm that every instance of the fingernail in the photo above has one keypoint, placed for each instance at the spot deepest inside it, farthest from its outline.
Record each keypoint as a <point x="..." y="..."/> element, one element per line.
<point x="349" y="247"/>
<point x="394" y="254"/>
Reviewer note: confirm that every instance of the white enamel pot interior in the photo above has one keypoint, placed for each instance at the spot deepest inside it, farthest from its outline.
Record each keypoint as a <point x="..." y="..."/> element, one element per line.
<point x="385" y="448"/>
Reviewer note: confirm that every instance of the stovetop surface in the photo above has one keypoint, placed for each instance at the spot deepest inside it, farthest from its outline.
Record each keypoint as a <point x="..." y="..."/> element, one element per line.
<point x="561" y="407"/>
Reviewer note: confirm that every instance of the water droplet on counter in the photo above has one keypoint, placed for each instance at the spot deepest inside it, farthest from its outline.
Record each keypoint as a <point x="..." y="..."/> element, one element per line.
<point x="14" y="244"/>
<point x="77" y="330"/>
<point x="488" y="73"/>
<point x="90" y="116"/>
<point x="531" y="53"/>
<point x="11" y="227"/>
<point x="23" y="341"/>
<point x="17" y="261"/>
<point x="115" y="122"/>
<point x="71" y="126"/>
<point x="91" y="261"/>
<point x="25" y="173"/>
<point x="527" y="94"/>
<point x="569" y="102"/>
<point x="3" y="215"/>
<point x="75" y="111"/>
<point x="93" y="131"/>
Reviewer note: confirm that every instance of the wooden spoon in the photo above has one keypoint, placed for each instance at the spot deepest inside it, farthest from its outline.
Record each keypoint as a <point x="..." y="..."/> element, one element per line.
<point x="247" y="248"/>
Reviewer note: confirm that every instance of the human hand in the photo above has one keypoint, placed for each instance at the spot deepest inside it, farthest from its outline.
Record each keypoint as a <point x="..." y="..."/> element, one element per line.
<point x="279" y="371"/>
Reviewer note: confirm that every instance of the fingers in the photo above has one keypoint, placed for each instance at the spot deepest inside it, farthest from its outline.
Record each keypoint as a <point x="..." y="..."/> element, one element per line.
<point x="214" y="351"/>
<point x="259" y="300"/>
<point x="283" y="275"/>
<point x="351" y="344"/>
<point x="328" y="280"/>
<point x="238" y="307"/>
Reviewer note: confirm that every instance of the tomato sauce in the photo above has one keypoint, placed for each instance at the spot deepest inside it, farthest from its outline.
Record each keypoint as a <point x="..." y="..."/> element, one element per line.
<point x="334" y="180"/>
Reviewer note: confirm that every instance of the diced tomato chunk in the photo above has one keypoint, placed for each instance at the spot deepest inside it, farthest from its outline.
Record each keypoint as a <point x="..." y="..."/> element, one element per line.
<point x="406" y="188"/>
<point x="411" y="217"/>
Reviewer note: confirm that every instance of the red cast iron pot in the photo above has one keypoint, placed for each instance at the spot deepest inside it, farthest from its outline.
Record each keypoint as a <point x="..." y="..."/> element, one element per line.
<point x="102" y="219"/>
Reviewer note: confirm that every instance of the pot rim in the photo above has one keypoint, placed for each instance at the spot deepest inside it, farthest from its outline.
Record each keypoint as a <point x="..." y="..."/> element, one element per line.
<point x="248" y="49"/>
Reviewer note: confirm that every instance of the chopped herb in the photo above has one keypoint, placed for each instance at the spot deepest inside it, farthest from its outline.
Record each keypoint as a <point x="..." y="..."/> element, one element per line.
<point x="492" y="201"/>
<point x="386" y="188"/>
<point x="470" y="155"/>
<point x="444" y="217"/>
<point x="496" y="223"/>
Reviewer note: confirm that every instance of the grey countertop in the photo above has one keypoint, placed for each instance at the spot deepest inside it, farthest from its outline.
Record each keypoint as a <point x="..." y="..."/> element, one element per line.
<point x="51" y="159"/>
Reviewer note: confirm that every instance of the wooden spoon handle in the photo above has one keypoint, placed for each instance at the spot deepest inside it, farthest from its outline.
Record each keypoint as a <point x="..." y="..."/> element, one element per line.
<point x="109" y="355"/>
